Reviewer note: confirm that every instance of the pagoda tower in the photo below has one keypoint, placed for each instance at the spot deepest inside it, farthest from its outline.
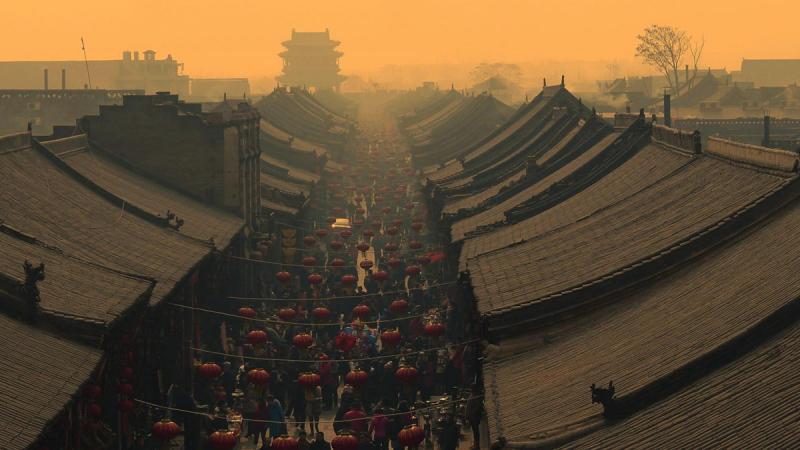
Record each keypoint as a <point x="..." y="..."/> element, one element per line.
<point x="311" y="60"/>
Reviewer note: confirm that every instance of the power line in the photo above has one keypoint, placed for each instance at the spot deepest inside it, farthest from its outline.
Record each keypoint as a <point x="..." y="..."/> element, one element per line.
<point x="338" y="297"/>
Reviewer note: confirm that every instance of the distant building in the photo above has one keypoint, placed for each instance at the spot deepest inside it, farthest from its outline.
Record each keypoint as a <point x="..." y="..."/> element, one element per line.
<point x="769" y="72"/>
<point x="311" y="61"/>
<point x="129" y="73"/>
<point x="215" y="89"/>
<point x="213" y="157"/>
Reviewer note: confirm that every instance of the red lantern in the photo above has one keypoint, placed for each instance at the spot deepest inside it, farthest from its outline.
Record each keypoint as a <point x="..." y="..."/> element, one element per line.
<point x="257" y="337"/>
<point x="348" y="280"/>
<point x="309" y="261"/>
<point x="246" y="311"/>
<point x="92" y="391"/>
<point x="391" y="247"/>
<point x="393" y="262"/>
<point x="361" y="311"/>
<point x="434" y="329"/>
<point x="368" y="233"/>
<point x="345" y="234"/>
<point x="321" y="233"/>
<point x="390" y="338"/>
<point x="415" y="245"/>
<point x="125" y="405"/>
<point x="397" y="222"/>
<point x="126" y="373"/>
<point x="412" y="271"/>
<point x="360" y="211"/>
<point x="337" y="262"/>
<point x="406" y="374"/>
<point x="95" y="410"/>
<point x="284" y="443"/>
<point x="399" y="306"/>
<point x="380" y="276"/>
<point x="411" y="436"/>
<point x="209" y="371"/>
<point x="223" y="440"/>
<point x="392" y="231"/>
<point x="344" y="442"/>
<point x="345" y="342"/>
<point x="336" y="245"/>
<point x="125" y="388"/>
<point x="315" y="279"/>
<point x="337" y="211"/>
<point x="386" y="210"/>
<point x="259" y="377"/>
<point x="356" y="378"/>
<point x="357" y="420"/>
<point x="302" y="340"/>
<point x="309" y="241"/>
<point x="366" y="264"/>
<point x="417" y="226"/>
<point x="376" y="224"/>
<point x="309" y="380"/>
<point x="283" y="277"/>
<point x="423" y="260"/>
<point x="165" y="429"/>
<point x="363" y="247"/>
<point x="287" y="314"/>
<point x="321" y="314"/>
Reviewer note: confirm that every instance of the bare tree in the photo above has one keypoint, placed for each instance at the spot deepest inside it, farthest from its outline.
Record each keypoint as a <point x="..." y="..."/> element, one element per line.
<point x="666" y="48"/>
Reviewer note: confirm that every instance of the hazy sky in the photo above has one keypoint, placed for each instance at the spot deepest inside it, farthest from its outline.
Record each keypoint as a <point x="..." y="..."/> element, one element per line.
<point x="243" y="36"/>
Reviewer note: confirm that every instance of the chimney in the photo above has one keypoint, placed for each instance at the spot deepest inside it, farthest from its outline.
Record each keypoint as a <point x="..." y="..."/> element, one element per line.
<point x="765" y="141"/>
<point x="63" y="79"/>
<point x="126" y="55"/>
<point x="136" y="55"/>
<point x="667" y="110"/>
<point x="45" y="80"/>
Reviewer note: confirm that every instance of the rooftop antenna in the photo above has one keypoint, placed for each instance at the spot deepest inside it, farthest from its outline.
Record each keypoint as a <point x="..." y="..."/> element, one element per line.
<point x="86" y="60"/>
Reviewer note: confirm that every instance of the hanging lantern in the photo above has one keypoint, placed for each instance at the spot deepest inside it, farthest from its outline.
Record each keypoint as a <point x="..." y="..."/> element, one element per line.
<point x="287" y="314"/>
<point x="315" y="279"/>
<point x="345" y="234"/>
<point x="94" y="410"/>
<point x="259" y="377"/>
<point x="392" y="231"/>
<point x="361" y="311"/>
<point x="397" y="222"/>
<point x="344" y="442"/>
<point x="368" y="233"/>
<point x="411" y="436"/>
<point x="321" y="314"/>
<point x="321" y="233"/>
<point x="125" y="388"/>
<point x="92" y="391"/>
<point x="309" y="261"/>
<point x="165" y="429"/>
<point x="223" y="440"/>
<point x="365" y="264"/>
<point x="248" y="312"/>
<point x="386" y="210"/>
<point x="284" y="443"/>
<point x="348" y="280"/>
<point x="126" y="373"/>
<point x="309" y="241"/>
<point x="309" y="380"/>
<point x="363" y="247"/>
<point x="336" y="245"/>
<point x="356" y="419"/>
<point x="415" y="245"/>
<point x="209" y="371"/>
<point x="399" y="306"/>
<point x="125" y="406"/>
<point x="417" y="226"/>
<point x="423" y="260"/>
<point x="393" y="262"/>
<point x="345" y="342"/>
<point x="256" y="337"/>
<point x="390" y="338"/>
<point x="406" y="374"/>
<point x="283" y="277"/>
<point x="360" y="211"/>
<point x="391" y="247"/>
<point x="380" y="276"/>
<point x="356" y="378"/>
<point x="302" y="340"/>
<point x="337" y="262"/>
<point x="412" y="271"/>
<point x="434" y="329"/>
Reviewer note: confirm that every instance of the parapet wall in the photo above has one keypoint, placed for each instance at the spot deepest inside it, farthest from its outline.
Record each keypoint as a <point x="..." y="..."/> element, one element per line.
<point x="15" y="141"/>
<point x="768" y="158"/>
<point x="682" y="140"/>
<point x="61" y="146"/>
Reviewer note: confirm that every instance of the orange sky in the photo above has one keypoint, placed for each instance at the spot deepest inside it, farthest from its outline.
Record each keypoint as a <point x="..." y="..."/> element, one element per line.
<point x="243" y="37"/>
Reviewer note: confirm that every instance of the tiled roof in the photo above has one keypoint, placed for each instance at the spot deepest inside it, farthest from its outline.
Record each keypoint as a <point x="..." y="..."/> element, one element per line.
<point x="294" y="172"/>
<point x="642" y="170"/>
<point x="540" y="381"/>
<point x="698" y="196"/>
<point x="40" y="375"/>
<point x="200" y="220"/>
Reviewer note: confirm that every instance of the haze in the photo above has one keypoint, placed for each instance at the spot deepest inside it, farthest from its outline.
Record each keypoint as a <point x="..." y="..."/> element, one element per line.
<point x="243" y="37"/>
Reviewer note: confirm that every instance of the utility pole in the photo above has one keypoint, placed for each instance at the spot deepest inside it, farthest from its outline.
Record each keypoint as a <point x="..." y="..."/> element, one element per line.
<point x="86" y="60"/>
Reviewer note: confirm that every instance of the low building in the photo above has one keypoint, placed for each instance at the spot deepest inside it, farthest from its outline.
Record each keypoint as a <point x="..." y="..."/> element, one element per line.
<point x="215" y="89"/>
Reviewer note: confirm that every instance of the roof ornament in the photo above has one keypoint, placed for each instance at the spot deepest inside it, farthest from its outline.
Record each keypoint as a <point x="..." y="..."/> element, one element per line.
<point x="29" y="289"/>
<point x="605" y="396"/>
<point x="544" y="83"/>
<point x="562" y="80"/>
<point x="174" y="221"/>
